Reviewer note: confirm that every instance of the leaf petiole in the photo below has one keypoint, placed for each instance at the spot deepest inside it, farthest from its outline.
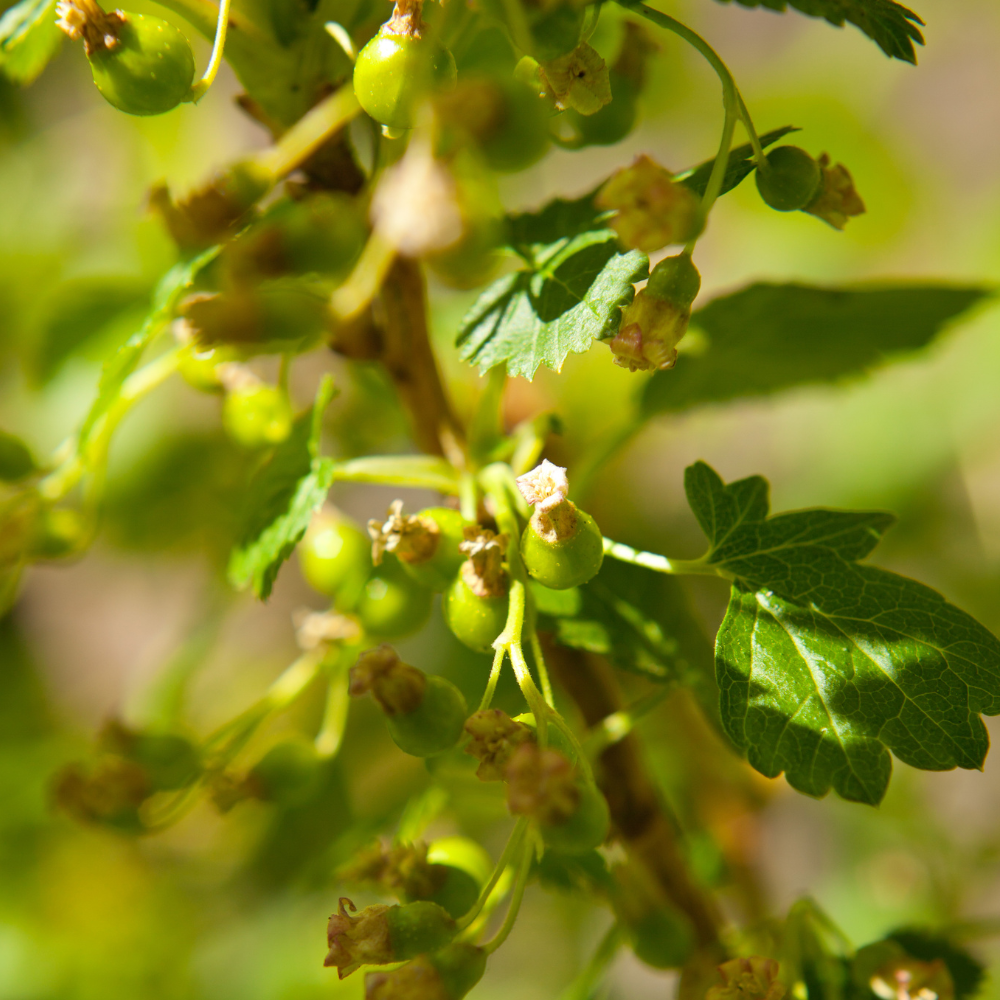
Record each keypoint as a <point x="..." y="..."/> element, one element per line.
<point x="661" y="564"/>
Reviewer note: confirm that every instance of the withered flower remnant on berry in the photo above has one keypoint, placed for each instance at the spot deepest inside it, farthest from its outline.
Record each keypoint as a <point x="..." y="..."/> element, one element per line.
<point x="396" y="686"/>
<point x="837" y="200"/>
<point x="541" y="784"/>
<point x="754" y="978"/>
<point x="359" y="940"/>
<point x="410" y="537"/>
<point x="494" y="736"/>
<point x="483" y="570"/>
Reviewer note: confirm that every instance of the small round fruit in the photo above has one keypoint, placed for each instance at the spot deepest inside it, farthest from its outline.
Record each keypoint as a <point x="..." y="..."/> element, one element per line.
<point x="586" y="829"/>
<point x="417" y="928"/>
<point x="392" y="603"/>
<point x="663" y="938"/>
<point x="435" y="725"/>
<point x="257" y="416"/>
<point x="568" y="563"/>
<point x="393" y="72"/>
<point x="474" y="621"/>
<point x="467" y="869"/>
<point x="556" y="30"/>
<point x="148" y="70"/>
<point x="170" y="761"/>
<point x="200" y="368"/>
<point x="521" y="135"/>
<point x="335" y="558"/>
<point x="439" y="570"/>
<point x="791" y="181"/>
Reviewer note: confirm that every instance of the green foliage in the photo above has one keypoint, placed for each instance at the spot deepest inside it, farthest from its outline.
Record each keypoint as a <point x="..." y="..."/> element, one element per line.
<point x="766" y="337"/>
<point x="824" y="665"/>
<point x="967" y="973"/>
<point x="891" y="25"/>
<point x="739" y="166"/>
<point x="288" y="490"/>
<point x="29" y="38"/>
<point x="570" y="294"/>
<point x="16" y="460"/>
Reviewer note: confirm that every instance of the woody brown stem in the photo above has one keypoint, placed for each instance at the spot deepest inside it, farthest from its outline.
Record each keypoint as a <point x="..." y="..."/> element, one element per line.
<point x="636" y="809"/>
<point x="408" y="358"/>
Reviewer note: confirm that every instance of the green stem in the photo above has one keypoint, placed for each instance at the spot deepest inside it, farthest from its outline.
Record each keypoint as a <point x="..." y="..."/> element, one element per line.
<point x="199" y="90"/>
<point x="511" y="848"/>
<point x="331" y="732"/>
<point x="661" y="564"/>
<point x="491" y="684"/>
<point x="311" y="131"/>
<point x="515" y="900"/>
<point x="582" y="987"/>
<point x="543" y="671"/>
<point x="425" y="472"/>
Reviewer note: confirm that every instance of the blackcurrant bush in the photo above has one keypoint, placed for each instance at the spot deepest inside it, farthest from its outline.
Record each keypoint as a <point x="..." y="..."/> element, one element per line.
<point x="394" y="71"/>
<point x="791" y="179"/>
<point x="257" y="415"/>
<point x="475" y="621"/>
<point x="148" y="70"/>
<point x="335" y="558"/>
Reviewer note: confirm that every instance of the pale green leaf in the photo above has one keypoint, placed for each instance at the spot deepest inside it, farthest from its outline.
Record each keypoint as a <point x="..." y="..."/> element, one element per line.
<point x="29" y="38"/>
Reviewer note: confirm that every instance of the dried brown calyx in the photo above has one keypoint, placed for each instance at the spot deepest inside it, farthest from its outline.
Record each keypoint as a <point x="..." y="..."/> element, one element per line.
<point x="85" y="19"/>
<point x="546" y="488"/>
<point x="359" y="940"/>
<point x="400" y="869"/>
<point x="541" y="784"/>
<point x="754" y="978"/>
<point x="322" y="628"/>
<point x="494" y="736"/>
<point x="396" y="686"/>
<point x="412" y="537"/>
<point x="483" y="570"/>
<point x="407" y="19"/>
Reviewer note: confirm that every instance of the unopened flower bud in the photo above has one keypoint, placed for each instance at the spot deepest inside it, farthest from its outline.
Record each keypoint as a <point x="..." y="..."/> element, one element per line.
<point x="396" y="686"/>
<point x="652" y="211"/>
<point x="494" y="738"/>
<point x="753" y="978"/>
<point x="483" y="570"/>
<point x="837" y="200"/>
<point x="411" y="537"/>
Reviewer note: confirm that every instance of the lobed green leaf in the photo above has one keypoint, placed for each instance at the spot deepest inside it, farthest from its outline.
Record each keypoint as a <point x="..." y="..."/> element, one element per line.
<point x="768" y="337"/>
<point x="825" y="665"/>
<point x="890" y="25"/>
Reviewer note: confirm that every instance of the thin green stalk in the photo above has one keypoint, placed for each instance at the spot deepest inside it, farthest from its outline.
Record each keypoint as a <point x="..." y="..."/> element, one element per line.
<point x="543" y="671"/>
<point x="491" y="684"/>
<point x="331" y="733"/>
<point x="661" y="564"/>
<point x="582" y="987"/>
<point x="515" y="900"/>
<point x="513" y="845"/>
<point x="199" y="89"/>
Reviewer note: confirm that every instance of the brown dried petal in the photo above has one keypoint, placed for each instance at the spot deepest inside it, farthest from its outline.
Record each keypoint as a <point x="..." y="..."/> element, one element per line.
<point x="359" y="940"/>
<point x="837" y="200"/>
<point x="396" y="686"/>
<point x="578" y="80"/>
<point x="494" y="738"/>
<point x="410" y="537"/>
<point x="754" y="978"/>
<point x="483" y="570"/>
<point x="650" y="331"/>
<point x="417" y="980"/>
<point x="653" y="211"/>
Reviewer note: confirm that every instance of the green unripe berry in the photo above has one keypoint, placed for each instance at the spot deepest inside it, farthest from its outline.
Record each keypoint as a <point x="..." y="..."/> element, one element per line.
<point x="148" y="71"/>
<point x="519" y="135"/>
<point x="440" y="568"/>
<point x="791" y="180"/>
<point x="257" y="415"/>
<point x="459" y="966"/>
<point x="200" y="368"/>
<point x="585" y="829"/>
<point x="435" y="725"/>
<point x="287" y="773"/>
<point x="662" y="938"/>
<point x="566" y="562"/>
<point x="335" y="558"/>
<point x="458" y="891"/>
<point x="171" y="761"/>
<point x="418" y="928"/>
<point x="394" y="71"/>
<point x="555" y="30"/>
<point x="466" y="867"/>
<point x="392" y="604"/>
<point x="475" y="621"/>
<point x="448" y="974"/>
<point x="675" y="280"/>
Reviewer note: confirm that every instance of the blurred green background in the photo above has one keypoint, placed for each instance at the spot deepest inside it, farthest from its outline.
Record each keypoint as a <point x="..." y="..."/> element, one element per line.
<point x="235" y="906"/>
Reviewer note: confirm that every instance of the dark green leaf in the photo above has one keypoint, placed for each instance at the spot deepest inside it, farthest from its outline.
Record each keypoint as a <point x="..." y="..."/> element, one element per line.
<point x="78" y="312"/>
<point x="571" y="294"/>
<point x="891" y="25"/>
<point x="769" y="337"/>
<point x="560" y="219"/>
<point x="282" y="500"/>
<point x="16" y="460"/>
<point x="825" y="665"/>
<point x="29" y="38"/>
<point x="740" y="165"/>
